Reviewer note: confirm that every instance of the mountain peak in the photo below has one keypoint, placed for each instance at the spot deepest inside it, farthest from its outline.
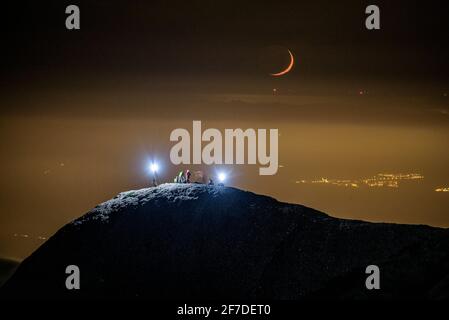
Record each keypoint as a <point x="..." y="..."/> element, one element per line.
<point x="201" y="241"/>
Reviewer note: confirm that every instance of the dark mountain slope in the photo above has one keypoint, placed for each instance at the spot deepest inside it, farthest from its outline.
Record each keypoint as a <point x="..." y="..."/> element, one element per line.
<point x="196" y="241"/>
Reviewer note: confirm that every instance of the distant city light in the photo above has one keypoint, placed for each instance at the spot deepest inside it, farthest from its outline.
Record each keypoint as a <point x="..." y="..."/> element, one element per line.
<point x="390" y="180"/>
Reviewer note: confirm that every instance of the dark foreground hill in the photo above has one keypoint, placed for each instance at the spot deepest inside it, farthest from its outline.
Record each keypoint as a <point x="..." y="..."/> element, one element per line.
<point x="7" y="268"/>
<point x="195" y="241"/>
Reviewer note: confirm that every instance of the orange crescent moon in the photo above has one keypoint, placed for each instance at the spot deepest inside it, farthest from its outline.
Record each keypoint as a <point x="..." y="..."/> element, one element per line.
<point x="290" y="66"/>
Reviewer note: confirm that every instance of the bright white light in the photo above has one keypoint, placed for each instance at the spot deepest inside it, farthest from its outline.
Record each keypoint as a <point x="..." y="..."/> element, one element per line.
<point x="154" y="167"/>
<point x="221" y="177"/>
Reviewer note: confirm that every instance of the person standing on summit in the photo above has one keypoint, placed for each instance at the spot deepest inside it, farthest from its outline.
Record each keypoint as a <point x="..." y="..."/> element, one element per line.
<point x="183" y="177"/>
<point x="180" y="177"/>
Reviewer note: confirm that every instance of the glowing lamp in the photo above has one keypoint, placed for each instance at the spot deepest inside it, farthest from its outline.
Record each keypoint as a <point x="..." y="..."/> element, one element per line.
<point x="154" y="167"/>
<point x="221" y="177"/>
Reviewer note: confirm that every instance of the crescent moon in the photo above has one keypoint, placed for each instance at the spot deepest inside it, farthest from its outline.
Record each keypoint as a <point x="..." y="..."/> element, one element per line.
<point x="290" y="66"/>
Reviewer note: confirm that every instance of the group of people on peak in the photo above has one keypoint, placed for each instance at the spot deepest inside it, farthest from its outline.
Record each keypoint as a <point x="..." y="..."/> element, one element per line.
<point x="184" y="177"/>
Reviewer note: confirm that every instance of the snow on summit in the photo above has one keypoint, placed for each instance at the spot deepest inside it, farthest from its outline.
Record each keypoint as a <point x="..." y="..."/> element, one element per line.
<point x="172" y="192"/>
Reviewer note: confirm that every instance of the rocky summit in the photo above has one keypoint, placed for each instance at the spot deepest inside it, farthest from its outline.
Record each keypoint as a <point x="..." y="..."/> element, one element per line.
<point x="194" y="241"/>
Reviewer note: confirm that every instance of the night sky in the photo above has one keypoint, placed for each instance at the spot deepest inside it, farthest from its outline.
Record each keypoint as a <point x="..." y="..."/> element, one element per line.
<point x="83" y="112"/>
